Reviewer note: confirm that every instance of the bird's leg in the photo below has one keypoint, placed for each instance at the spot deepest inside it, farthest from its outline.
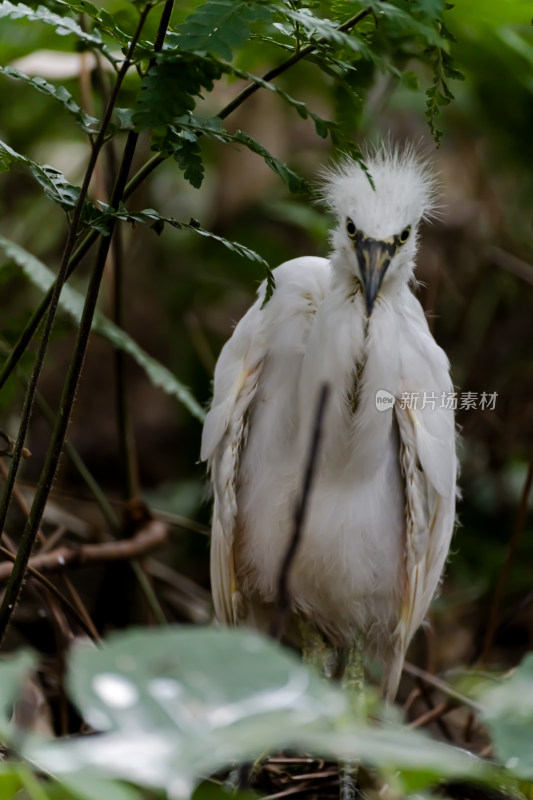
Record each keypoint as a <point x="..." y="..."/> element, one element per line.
<point x="353" y="678"/>
<point x="316" y="650"/>
<point x="353" y="682"/>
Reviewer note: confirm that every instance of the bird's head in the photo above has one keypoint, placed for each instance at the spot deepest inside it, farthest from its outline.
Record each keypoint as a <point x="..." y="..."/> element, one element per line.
<point x="375" y="240"/>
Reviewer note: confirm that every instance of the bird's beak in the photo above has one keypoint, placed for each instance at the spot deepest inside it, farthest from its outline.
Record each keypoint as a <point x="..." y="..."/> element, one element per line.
<point x="374" y="258"/>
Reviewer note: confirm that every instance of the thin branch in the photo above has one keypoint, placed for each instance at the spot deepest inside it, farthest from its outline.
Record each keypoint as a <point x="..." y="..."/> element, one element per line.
<point x="432" y="714"/>
<point x="283" y="595"/>
<point x="288" y="63"/>
<point x="128" y="459"/>
<point x="150" y="537"/>
<point x="442" y="686"/>
<point x="89" y="629"/>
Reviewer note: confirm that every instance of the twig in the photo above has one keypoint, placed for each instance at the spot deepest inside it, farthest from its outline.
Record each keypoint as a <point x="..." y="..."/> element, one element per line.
<point x="442" y="686"/>
<point x="89" y="629"/>
<point x="126" y="441"/>
<point x="128" y="454"/>
<point x="283" y="595"/>
<point x="289" y="62"/>
<point x="431" y="714"/>
<point x="509" y="560"/>
<point x="80" y="607"/>
<point x="21" y="502"/>
<point x="148" y="538"/>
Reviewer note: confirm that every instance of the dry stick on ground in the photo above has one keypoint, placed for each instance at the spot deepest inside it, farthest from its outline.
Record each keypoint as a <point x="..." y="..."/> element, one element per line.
<point x="33" y="573"/>
<point x="432" y="714"/>
<point x="503" y="578"/>
<point x="427" y="696"/>
<point x="44" y="541"/>
<point x="283" y="602"/>
<point x="148" y="538"/>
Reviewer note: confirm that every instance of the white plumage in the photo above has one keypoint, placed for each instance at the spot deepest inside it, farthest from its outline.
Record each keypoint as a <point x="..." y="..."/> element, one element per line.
<point x="382" y="509"/>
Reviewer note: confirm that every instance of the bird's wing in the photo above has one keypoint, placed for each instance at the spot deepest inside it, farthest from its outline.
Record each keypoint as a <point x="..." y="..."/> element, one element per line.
<point x="281" y="324"/>
<point x="429" y="467"/>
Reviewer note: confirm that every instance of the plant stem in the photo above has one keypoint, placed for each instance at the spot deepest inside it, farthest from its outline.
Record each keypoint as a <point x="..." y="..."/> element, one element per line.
<point x="283" y="599"/>
<point x="287" y="64"/>
<point x="126" y="441"/>
<point x="127" y="451"/>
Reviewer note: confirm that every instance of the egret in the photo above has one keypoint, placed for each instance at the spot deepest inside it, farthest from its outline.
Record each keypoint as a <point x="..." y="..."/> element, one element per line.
<point x="382" y="508"/>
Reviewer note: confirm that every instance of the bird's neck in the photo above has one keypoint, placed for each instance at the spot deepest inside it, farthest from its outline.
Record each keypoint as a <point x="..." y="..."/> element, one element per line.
<point x="357" y="357"/>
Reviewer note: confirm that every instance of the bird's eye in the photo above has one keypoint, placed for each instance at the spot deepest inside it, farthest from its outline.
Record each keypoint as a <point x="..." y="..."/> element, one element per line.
<point x="351" y="230"/>
<point x="405" y="234"/>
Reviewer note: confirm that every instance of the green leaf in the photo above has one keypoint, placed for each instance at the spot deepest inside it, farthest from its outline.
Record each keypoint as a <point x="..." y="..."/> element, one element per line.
<point x="322" y="126"/>
<point x="85" y="785"/>
<point x="188" y="155"/>
<point x="72" y="302"/>
<point x="170" y="88"/>
<point x="296" y="184"/>
<point x="402" y="20"/>
<point x="54" y="183"/>
<point x="63" y="24"/>
<point x="508" y="712"/>
<point x="410" y="80"/>
<point x="270" y="286"/>
<point x="179" y="703"/>
<point x="212" y="791"/>
<point x="151" y="217"/>
<point x="431" y="8"/>
<point x="60" y="94"/>
<point x="13" y="670"/>
<point x="10" y="782"/>
<point x="175" y="136"/>
<point x="318" y="28"/>
<point x="219" y="27"/>
<point x="104" y="20"/>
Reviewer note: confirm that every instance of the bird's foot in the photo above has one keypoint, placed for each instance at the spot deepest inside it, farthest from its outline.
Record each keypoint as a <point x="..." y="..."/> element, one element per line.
<point x="316" y="650"/>
<point x="348" y="780"/>
<point x="353" y="677"/>
<point x="242" y="776"/>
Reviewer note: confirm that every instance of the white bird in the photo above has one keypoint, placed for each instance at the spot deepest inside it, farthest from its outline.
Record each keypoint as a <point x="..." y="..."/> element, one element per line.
<point x="382" y="508"/>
